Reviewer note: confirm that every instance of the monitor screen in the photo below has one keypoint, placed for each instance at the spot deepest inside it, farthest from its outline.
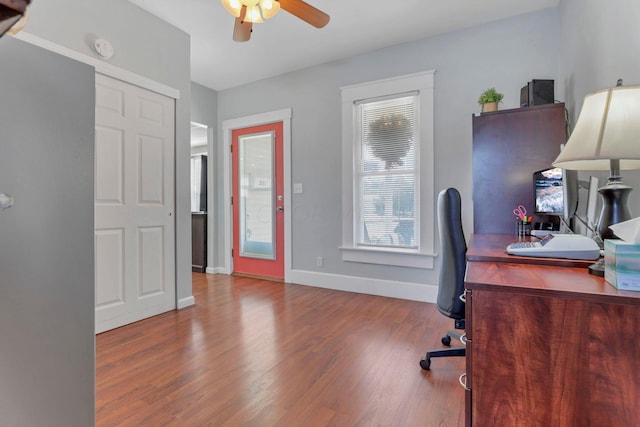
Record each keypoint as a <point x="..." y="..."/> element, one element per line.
<point x="549" y="193"/>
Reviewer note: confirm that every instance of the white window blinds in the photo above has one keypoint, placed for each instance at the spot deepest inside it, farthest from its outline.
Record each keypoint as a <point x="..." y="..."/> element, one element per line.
<point x="387" y="172"/>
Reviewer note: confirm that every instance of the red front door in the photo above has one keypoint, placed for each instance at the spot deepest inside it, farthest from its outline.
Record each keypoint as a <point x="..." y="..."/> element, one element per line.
<point x="258" y="201"/>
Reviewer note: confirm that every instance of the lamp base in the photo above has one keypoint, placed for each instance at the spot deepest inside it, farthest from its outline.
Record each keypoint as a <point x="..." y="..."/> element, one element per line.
<point x="614" y="206"/>
<point x="597" y="268"/>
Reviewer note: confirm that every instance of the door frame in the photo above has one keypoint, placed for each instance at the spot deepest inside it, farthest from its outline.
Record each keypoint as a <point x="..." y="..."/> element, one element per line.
<point x="228" y="126"/>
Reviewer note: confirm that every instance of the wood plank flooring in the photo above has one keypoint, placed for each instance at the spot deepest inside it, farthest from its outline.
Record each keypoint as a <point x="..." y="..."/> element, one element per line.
<point x="259" y="353"/>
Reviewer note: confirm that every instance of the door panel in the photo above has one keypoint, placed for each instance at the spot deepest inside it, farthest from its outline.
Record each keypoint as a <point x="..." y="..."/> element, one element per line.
<point x="134" y="188"/>
<point x="258" y="195"/>
<point x="110" y="169"/>
<point x="109" y="267"/>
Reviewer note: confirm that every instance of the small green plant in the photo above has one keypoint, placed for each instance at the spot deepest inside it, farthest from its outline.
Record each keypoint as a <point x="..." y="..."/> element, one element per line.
<point x="490" y="95"/>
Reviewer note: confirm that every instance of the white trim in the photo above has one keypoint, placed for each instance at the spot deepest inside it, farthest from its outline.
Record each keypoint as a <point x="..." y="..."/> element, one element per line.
<point x="186" y="302"/>
<point x="363" y="285"/>
<point x="423" y="82"/>
<point x="384" y="87"/>
<point x="100" y="66"/>
<point x="212" y="206"/>
<point x="229" y="125"/>
<point x="388" y="257"/>
<point x="215" y="270"/>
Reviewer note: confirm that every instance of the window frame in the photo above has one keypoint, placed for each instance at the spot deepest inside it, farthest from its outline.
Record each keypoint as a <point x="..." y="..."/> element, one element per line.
<point x="422" y="256"/>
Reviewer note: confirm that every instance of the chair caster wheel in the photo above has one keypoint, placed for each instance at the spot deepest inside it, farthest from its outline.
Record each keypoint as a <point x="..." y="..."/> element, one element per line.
<point x="425" y="363"/>
<point x="446" y="340"/>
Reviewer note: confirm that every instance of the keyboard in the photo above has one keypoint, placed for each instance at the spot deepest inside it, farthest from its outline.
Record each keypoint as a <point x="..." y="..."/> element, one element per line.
<point x="572" y="246"/>
<point x="524" y="245"/>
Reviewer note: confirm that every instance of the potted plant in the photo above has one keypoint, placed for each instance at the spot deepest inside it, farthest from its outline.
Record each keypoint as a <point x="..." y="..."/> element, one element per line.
<point x="489" y="100"/>
<point x="390" y="138"/>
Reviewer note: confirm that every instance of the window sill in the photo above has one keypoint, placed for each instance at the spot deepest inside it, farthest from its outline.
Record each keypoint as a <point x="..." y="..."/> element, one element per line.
<point x="397" y="257"/>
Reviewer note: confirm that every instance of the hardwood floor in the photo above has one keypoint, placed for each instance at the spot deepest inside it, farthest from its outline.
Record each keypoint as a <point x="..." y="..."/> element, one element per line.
<point x="258" y="353"/>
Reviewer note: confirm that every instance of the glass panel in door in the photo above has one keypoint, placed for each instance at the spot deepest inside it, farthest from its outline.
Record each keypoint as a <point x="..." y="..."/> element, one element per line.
<point x="257" y="210"/>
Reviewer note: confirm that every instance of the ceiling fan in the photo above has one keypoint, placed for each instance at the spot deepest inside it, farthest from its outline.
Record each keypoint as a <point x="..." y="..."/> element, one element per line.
<point x="248" y="12"/>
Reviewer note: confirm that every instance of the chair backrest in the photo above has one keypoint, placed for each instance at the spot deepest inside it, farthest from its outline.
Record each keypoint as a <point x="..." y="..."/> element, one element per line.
<point x="453" y="250"/>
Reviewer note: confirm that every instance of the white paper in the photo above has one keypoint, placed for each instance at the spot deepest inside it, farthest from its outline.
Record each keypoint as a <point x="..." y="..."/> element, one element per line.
<point x="629" y="231"/>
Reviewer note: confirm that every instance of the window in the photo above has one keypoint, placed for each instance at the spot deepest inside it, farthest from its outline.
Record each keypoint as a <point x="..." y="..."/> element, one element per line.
<point x="388" y="171"/>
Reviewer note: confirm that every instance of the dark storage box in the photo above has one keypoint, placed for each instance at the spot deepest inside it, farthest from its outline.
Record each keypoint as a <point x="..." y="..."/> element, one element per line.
<point x="537" y="92"/>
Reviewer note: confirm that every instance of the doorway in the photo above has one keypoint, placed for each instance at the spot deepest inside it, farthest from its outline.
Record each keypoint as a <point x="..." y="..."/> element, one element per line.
<point x="200" y="166"/>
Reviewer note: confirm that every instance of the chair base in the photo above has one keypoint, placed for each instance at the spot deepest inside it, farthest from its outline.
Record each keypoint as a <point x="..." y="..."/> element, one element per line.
<point x="425" y="362"/>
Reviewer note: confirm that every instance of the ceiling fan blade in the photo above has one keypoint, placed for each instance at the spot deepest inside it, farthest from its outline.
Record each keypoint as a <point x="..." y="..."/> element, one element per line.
<point x="306" y="12"/>
<point x="242" y="29"/>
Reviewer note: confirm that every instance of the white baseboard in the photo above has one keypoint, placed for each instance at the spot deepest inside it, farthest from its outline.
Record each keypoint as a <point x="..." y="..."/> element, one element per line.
<point x="186" y="302"/>
<point x="215" y="270"/>
<point x="385" y="288"/>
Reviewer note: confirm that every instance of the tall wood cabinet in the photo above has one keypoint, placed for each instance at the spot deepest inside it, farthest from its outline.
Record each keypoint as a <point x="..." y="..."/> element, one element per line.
<point x="508" y="146"/>
<point x="199" y="241"/>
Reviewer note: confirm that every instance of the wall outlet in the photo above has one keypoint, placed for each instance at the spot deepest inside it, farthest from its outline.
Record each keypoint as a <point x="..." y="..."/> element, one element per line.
<point x="297" y="188"/>
<point x="320" y="261"/>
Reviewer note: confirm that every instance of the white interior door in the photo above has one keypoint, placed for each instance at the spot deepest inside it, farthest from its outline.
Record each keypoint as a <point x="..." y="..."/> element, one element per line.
<point x="134" y="203"/>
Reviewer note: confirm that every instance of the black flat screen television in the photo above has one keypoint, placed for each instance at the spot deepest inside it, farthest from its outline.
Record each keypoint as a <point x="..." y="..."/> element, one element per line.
<point x="556" y="192"/>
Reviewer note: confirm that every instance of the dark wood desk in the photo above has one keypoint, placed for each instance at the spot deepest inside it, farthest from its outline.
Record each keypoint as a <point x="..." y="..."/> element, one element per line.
<point x="548" y="345"/>
<point x="491" y="247"/>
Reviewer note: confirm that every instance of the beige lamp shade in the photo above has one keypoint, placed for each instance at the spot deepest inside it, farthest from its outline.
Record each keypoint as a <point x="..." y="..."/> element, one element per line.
<point x="608" y="128"/>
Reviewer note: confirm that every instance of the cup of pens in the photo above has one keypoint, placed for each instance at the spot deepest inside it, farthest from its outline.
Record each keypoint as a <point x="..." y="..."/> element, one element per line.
<point x="523" y="222"/>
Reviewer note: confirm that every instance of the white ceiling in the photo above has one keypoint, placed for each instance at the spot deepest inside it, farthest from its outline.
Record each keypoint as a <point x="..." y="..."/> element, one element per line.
<point x="285" y="43"/>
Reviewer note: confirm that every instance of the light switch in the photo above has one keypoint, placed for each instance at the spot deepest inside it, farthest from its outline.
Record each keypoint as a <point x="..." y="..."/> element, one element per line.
<point x="297" y="188"/>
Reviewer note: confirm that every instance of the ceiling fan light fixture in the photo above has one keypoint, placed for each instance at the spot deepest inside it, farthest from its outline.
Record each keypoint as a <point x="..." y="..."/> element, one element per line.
<point x="233" y="7"/>
<point x="253" y="14"/>
<point x="269" y="8"/>
<point x="248" y="12"/>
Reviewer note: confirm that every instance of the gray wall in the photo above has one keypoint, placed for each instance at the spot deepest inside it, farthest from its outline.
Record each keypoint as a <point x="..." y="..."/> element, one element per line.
<point x="204" y="110"/>
<point x="600" y="44"/>
<point x="505" y="54"/>
<point x="204" y="105"/>
<point x="47" y="360"/>
<point x="144" y="45"/>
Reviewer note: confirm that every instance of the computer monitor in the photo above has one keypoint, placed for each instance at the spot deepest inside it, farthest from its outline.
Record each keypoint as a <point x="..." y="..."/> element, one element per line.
<point x="556" y="192"/>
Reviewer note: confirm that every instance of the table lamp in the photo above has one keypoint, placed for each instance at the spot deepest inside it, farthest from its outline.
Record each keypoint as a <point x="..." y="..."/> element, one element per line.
<point x="607" y="137"/>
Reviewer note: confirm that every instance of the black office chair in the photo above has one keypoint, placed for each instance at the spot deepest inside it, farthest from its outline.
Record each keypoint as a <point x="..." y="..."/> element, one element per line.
<point x="453" y="264"/>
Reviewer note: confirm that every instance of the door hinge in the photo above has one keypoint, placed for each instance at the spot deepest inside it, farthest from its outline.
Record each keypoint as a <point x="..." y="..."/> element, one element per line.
<point x="231" y="148"/>
<point x="231" y="253"/>
<point x="232" y="200"/>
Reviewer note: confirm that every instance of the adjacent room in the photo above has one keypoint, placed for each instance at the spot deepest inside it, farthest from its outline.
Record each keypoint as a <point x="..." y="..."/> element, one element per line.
<point x="211" y="220"/>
